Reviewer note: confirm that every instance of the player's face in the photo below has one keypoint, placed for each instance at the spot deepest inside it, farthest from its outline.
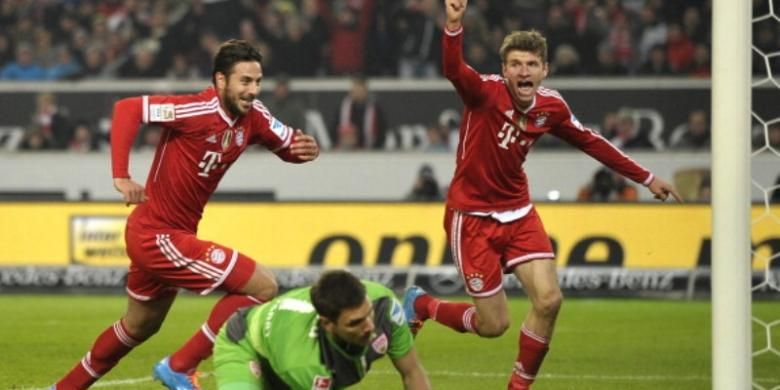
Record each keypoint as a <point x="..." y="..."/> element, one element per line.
<point x="524" y="72"/>
<point x="355" y="325"/>
<point x="240" y="87"/>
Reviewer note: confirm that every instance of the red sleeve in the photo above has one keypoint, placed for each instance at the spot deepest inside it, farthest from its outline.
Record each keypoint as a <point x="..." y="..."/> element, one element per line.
<point x="272" y="133"/>
<point x="124" y="128"/>
<point x="466" y="80"/>
<point x="592" y="143"/>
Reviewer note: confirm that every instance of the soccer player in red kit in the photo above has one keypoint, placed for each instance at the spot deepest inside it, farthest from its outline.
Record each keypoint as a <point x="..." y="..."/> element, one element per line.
<point x="491" y="224"/>
<point x="203" y="136"/>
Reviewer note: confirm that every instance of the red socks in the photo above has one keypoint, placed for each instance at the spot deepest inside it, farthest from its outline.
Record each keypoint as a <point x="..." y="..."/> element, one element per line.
<point x="459" y="316"/>
<point x="199" y="346"/>
<point x="533" y="348"/>
<point x="110" y="346"/>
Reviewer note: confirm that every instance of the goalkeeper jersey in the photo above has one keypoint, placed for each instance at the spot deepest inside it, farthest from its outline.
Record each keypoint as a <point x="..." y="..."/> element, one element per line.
<point x="291" y="351"/>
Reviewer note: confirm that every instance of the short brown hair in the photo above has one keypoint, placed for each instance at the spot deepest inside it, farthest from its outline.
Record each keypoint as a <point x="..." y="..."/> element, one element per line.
<point x="232" y="52"/>
<point x="531" y="41"/>
<point x="335" y="291"/>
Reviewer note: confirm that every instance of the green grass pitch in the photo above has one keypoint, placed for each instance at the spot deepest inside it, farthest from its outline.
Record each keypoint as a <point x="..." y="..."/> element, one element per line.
<point x="599" y="344"/>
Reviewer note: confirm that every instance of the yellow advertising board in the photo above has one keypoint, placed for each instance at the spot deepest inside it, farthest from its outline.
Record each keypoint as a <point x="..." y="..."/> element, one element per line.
<point x="399" y="234"/>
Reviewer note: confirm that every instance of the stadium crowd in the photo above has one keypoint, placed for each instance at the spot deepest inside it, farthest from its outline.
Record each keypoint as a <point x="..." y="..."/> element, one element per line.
<point x="87" y="39"/>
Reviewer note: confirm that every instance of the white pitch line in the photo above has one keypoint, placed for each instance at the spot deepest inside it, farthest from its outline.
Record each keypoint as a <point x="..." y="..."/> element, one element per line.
<point x="445" y="373"/>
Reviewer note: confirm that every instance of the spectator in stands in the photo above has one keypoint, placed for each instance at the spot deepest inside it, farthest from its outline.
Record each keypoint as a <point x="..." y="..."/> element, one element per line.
<point x="360" y="121"/>
<point x="628" y="135"/>
<point x="700" y="65"/>
<point x="607" y="63"/>
<point x="52" y="121"/>
<point x="34" y="140"/>
<point x="65" y="67"/>
<point x="6" y="49"/>
<point x="144" y="63"/>
<point x="694" y="134"/>
<point x="24" y="68"/>
<point x="438" y="138"/>
<point x="182" y="68"/>
<point x="651" y="36"/>
<point x="287" y="108"/>
<point x="83" y="139"/>
<point x="656" y="64"/>
<point x="566" y="61"/>
<point x="426" y="187"/>
<point x="348" y="25"/>
<point x="418" y="35"/>
<point x="679" y="49"/>
<point x="93" y="63"/>
<point x="607" y="186"/>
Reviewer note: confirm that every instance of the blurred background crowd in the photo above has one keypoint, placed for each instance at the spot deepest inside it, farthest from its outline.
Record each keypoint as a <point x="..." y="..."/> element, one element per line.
<point x="86" y="39"/>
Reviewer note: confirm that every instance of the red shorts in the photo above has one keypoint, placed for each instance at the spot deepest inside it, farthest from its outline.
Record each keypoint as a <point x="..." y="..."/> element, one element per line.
<point x="483" y="248"/>
<point x="164" y="260"/>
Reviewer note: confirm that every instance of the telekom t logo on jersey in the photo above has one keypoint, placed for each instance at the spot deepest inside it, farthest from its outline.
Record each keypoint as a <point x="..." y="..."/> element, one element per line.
<point x="508" y="132"/>
<point x="209" y="162"/>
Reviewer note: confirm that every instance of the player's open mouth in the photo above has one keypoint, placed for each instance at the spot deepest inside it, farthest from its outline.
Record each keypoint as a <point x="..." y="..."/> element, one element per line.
<point x="525" y="86"/>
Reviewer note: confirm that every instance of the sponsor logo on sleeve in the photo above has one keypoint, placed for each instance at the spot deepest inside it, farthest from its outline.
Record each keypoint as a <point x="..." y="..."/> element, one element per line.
<point x="321" y="383"/>
<point x="397" y="313"/>
<point x="278" y="128"/>
<point x="162" y="113"/>
<point x="576" y="122"/>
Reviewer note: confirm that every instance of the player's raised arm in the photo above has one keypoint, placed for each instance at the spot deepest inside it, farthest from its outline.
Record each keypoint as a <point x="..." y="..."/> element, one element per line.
<point x="455" y="10"/>
<point x="124" y="128"/>
<point x="412" y="372"/>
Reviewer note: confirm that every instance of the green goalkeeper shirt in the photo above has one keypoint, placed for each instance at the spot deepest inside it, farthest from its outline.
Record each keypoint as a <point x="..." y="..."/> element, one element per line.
<point x="280" y="344"/>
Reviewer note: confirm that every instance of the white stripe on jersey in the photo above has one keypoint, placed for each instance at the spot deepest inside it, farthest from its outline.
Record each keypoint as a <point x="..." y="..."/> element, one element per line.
<point x="197" y="113"/>
<point x="195" y="104"/>
<point x="172" y="253"/>
<point x="201" y="107"/>
<point x="258" y="105"/>
<point x="145" y="108"/>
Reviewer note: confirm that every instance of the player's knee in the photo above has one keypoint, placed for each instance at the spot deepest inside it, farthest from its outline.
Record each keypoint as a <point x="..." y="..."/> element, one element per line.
<point x="141" y="330"/>
<point x="493" y="328"/>
<point x="267" y="290"/>
<point x="550" y="303"/>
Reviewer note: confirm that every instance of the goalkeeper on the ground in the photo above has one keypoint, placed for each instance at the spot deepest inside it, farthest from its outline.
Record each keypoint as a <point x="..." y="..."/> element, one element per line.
<point x="320" y="337"/>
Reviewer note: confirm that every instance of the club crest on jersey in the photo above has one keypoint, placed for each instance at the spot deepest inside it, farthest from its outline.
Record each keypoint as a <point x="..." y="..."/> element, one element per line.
<point x="379" y="345"/>
<point x="216" y="255"/>
<point x="541" y="119"/>
<point x="227" y="137"/>
<point x="239" y="137"/>
<point x="321" y="383"/>
<point x="475" y="281"/>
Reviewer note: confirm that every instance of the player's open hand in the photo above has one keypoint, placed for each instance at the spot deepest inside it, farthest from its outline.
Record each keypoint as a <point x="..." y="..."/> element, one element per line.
<point x="132" y="192"/>
<point x="662" y="190"/>
<point x="455" y="10"/>
<point x="304" y="146"/>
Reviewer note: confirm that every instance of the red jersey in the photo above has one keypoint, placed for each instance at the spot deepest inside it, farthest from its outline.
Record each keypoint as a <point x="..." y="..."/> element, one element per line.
<point x="199" y="143"/>
<point x="496" y="136"/>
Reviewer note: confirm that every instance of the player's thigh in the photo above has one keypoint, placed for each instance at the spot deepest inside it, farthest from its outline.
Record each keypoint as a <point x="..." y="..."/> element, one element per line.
<point x="180" y="259"/>
<point x="235" y="366"/>
<point x="261" y="285"/>
<point x="474" y="254"/>
<point x="540" y="281"/>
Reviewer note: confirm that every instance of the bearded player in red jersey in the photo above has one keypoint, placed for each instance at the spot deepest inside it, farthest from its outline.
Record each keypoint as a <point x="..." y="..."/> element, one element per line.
<point x="203" y="136"/>
<point x="490" y="221"/>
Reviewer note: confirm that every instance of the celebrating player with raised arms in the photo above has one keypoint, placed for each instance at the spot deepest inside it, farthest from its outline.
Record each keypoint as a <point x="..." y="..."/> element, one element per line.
<point x="321" y="337"/>
<point x="491" y="224"/>
<point x="203" y="136"/>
